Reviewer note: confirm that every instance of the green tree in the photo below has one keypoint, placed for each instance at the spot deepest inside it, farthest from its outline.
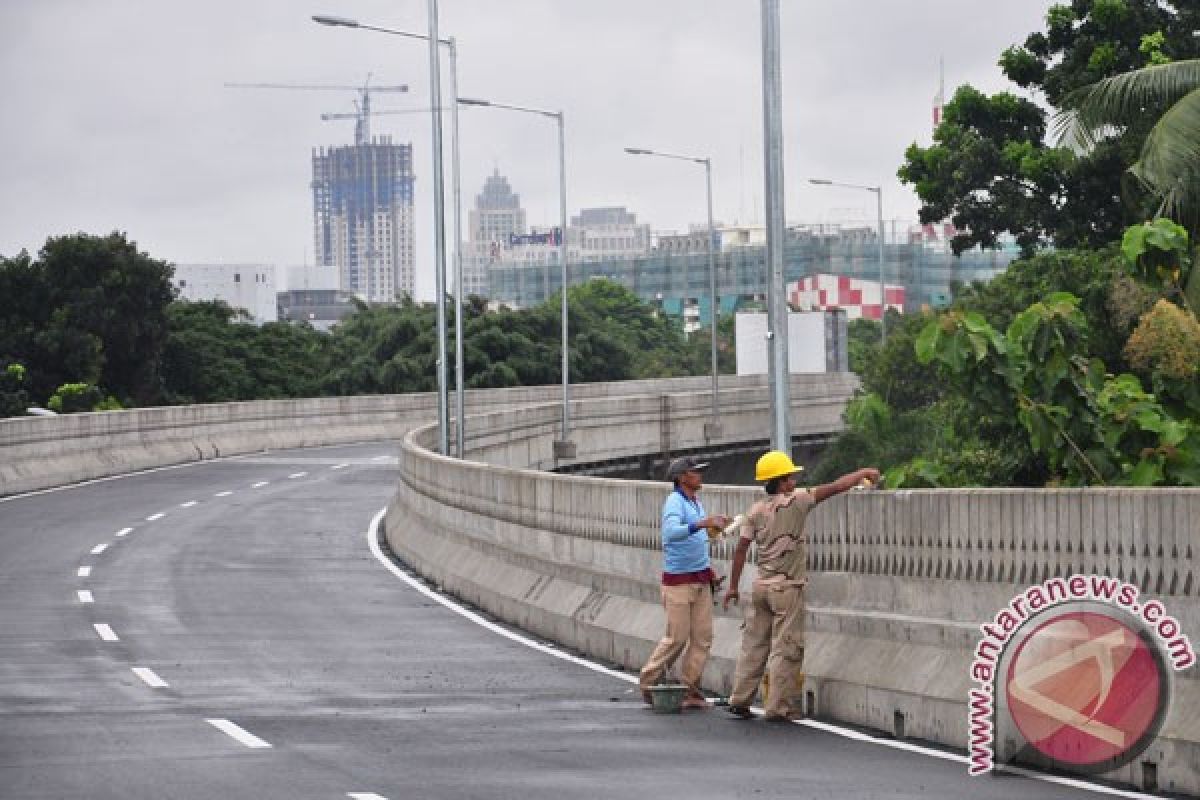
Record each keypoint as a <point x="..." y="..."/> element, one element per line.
<point x="1165" y="96"/>
<point x="105" y="287"/>
<point x="203" y="361"/>
<point x="1087" y="426"/>
<point x="14" y="399"/>
<point x="990" y="172"/>
<point x="989" y="169"/>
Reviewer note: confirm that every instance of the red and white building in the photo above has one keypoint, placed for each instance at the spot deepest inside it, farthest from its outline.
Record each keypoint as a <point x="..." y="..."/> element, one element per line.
<point x="858" y="298"/>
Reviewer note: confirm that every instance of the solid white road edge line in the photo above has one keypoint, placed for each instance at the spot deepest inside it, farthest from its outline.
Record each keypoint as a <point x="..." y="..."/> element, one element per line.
<point x="847" y="733"/>
<point x="105" y="632"/>
<point x="242" y="735"/>
<point x="150" y="679"/>
<point x="85" y="596"/>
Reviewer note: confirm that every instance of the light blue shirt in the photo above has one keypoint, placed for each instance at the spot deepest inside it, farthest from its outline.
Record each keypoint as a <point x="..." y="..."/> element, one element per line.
<point x="685" y="547"/>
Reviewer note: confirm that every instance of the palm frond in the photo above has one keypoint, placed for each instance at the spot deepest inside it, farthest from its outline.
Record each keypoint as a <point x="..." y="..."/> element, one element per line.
<point x="1169" y="165"/>
<point x="1090" y="112"/>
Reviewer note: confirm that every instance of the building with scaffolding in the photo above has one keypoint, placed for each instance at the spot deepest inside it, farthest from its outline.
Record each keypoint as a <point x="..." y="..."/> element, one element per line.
<point x="919" y="268"/>
<point x="363" y="217"/>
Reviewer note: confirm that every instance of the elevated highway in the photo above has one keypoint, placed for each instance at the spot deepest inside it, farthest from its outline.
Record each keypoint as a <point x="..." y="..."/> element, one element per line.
<point x="295" y="662"/>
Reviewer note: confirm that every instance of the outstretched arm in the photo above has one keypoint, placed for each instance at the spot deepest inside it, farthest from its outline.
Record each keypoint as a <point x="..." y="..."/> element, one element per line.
<point x="844" y="483"/>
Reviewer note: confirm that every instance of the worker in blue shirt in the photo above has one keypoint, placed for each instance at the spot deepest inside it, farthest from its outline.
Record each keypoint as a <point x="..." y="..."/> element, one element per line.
<point x="687" y="583"/>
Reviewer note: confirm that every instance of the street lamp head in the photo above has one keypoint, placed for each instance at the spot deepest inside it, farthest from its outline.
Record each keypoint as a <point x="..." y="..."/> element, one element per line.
<point x="471" y="101"/>
<point x="821" y="181"/>
<point x="637" y="151"/>
<point x="337" y="22"/>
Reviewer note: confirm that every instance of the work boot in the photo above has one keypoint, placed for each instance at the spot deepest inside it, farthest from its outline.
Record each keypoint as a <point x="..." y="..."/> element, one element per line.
<point x="741" y="712"/>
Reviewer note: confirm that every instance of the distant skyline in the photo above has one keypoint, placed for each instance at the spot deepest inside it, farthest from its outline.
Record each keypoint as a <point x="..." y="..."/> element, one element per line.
<point x="116" y="115"/>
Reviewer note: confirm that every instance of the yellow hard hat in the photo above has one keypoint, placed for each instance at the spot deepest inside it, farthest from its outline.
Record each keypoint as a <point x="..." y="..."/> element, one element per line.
<point x="774" y="465"/>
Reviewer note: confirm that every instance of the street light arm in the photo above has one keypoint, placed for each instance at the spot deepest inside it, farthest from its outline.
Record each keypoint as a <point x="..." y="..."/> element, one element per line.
<point x="344" y="22"/>
<point x="639" y="151"/>
<point x="474" y="101"/>
<point x="827" y="182"/>
<point x="334" y="22"/>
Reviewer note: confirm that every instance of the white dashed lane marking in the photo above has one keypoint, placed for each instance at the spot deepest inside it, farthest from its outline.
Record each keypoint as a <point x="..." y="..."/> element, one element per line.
<point x="149" y="678"/>
<point x="84" y="596"/>
<point x="260" y="484"/>
<point x="98" y="549"/>
<point x="365" y="796"/>
<point x="84" y="572"/>
<point x="188" y="504"/>
<point x="154" y="517"/>
<point x="297" y="475"/>
<point x="223" y="494"/>
<point x="242" y="735"/>
<point x="124" y="531"/>
<point x="105" y="632"/>
<point x="339" y="466"/>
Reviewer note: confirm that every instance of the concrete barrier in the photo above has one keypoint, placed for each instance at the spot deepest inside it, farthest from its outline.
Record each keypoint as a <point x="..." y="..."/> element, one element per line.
<point x="42" y="452"/>
<point x="900" y="581"/>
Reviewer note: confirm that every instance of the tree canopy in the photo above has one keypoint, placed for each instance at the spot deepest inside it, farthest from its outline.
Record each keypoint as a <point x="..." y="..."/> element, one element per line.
<point x="990" y="170"/>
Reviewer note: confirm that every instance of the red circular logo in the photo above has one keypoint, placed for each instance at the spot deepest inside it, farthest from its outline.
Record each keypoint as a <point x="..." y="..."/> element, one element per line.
<point x="1087" y="690"/>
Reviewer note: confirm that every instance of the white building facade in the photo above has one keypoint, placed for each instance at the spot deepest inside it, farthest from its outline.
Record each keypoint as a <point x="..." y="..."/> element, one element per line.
<point x="250" y="287"/>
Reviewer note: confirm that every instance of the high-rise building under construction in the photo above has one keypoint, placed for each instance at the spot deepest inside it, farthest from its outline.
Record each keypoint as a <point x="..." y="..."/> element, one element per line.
<point x="363" y="217"/>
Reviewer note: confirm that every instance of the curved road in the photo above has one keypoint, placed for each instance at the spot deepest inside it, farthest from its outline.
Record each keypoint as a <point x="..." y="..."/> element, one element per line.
<point x="223" y="630"/>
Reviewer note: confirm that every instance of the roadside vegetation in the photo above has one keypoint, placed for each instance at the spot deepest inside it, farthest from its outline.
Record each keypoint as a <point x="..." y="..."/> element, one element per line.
<point x="1080" y="366"/>
<point x="91" y="323"/>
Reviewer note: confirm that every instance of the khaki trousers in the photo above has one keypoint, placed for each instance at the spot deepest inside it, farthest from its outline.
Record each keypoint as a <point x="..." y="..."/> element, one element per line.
<point x="773" y="641"/>
<point x="689" y="624"/>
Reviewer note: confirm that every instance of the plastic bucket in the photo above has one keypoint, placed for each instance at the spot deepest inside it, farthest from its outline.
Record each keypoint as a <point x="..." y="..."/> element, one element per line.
<point x="668" y="699"/>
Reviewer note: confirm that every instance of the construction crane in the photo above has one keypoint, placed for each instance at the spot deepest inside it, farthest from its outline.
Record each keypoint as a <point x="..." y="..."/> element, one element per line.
<point x="362" y="117"/>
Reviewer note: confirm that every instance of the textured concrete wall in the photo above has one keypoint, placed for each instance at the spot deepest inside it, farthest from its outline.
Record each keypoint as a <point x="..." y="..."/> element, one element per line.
<point x="900" y="581"/>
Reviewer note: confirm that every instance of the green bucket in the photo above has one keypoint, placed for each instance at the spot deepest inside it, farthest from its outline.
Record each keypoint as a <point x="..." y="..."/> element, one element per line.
<point x="668" y="699"/>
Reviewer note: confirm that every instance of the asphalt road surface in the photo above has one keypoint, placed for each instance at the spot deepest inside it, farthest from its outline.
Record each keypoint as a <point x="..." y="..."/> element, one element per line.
<point x="223" y="630"/>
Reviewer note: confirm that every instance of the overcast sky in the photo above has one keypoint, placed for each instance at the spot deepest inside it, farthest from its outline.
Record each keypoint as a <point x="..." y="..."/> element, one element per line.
<point x="115" y="115"/>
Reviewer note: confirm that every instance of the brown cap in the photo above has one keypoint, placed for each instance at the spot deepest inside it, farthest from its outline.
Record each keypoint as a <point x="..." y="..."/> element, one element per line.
<point x="682" y="465"/>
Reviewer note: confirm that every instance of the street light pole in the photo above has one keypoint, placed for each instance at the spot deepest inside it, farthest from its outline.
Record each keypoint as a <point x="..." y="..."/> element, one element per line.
<point x="564" y="448"/>
<point x="882" y="285"/>
<point x="439" y="225"/>
<point x="439" y="212"/>
<point x="562" y="258"/>
<point x="459" y="292"/>
<point x="878" y="191"/>
<point x="715" y="430"/>
<point x="778" y="373"/>
<point x="712" y="430"/>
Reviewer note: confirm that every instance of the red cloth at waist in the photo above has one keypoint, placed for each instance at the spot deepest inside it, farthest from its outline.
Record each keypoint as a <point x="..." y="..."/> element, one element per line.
<point x="682" y="578"/>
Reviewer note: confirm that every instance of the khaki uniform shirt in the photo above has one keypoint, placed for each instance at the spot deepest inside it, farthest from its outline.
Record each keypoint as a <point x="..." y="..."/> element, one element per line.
<point x="782" y="548"/>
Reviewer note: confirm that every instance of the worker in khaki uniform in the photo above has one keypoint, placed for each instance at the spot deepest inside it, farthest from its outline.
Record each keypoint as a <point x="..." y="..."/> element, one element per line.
<point x="773" y="638"/>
